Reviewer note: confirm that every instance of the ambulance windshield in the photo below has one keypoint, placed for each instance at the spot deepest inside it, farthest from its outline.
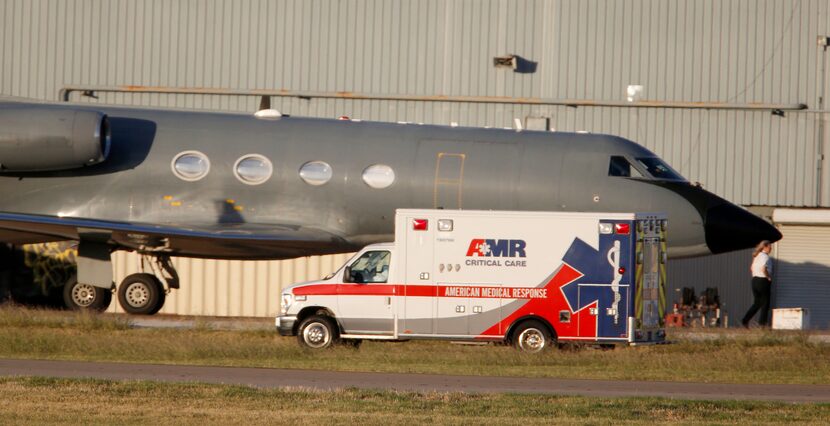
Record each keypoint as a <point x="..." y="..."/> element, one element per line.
<point x="371" y="267"/>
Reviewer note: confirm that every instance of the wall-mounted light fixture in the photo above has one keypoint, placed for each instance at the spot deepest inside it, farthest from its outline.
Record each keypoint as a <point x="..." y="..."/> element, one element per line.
<point x="508" y="61"/>
<point x="516" y="63"/>
<point x="634" y="92"/>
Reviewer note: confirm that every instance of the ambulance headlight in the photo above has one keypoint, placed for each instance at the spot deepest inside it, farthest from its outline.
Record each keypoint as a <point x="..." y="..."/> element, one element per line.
<point x="285" y="303"/>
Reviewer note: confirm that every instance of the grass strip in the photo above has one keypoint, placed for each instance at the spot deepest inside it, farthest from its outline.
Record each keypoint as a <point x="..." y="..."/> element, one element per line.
<point x="755" y="357"/>
<point x="65" y="401"/>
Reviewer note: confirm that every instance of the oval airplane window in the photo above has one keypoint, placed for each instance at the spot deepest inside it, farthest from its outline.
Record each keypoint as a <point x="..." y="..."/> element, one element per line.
<point x="379" y="176"/>
<point x="253" y="169"/>
<point x="315" y="172"/>
<point x="190" y="165"/>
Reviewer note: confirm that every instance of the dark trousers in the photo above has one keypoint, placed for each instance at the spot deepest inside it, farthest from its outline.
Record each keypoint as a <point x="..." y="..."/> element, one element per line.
<point x="761" y="293"/>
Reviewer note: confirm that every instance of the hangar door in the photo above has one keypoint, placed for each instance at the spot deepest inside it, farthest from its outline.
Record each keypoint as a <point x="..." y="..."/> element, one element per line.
<point x="802" y="278"/>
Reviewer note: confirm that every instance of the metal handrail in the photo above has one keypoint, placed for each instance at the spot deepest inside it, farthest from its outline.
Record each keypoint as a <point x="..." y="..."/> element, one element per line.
<point x="66" y="91"/>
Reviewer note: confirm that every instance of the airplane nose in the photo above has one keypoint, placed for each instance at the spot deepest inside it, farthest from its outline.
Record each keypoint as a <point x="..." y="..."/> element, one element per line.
<point x="729" y="227"/>
<point x="726" y="226"/>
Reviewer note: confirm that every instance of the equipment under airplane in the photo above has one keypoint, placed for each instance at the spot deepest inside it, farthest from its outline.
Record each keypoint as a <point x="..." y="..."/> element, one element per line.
<point x="166" y="182"/>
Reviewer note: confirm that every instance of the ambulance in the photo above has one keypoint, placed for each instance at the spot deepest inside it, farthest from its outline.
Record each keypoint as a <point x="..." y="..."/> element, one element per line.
<point x="530" y="279"/>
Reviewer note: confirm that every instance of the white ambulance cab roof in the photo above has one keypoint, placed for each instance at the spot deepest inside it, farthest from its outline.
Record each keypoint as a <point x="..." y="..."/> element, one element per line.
<point x="380" y="245"/>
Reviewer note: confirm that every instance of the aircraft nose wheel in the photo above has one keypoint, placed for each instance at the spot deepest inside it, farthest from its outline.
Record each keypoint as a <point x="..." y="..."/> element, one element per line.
<point x="141" y="294"/>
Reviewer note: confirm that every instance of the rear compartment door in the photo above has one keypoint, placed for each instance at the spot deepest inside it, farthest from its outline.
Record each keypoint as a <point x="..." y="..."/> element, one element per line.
<point x="614" y="309"/>
<point x="453" y="315"/>
<point x="486" y="313"/>
<point x="468" y="310"/>
<point x="607" y="295"/>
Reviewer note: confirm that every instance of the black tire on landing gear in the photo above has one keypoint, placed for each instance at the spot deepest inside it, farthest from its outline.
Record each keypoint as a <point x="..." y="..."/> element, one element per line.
<point x="160" y="303"/>
<point x="77" y="296"/>
<point x="141" y="294"/>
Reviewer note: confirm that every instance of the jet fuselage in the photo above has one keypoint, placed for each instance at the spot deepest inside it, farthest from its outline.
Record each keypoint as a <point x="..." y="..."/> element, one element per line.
<point x="433" y="166"/>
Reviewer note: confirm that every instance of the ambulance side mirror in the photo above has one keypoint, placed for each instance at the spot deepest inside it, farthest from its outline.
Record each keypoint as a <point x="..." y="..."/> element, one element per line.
<point x="347" y="274"/>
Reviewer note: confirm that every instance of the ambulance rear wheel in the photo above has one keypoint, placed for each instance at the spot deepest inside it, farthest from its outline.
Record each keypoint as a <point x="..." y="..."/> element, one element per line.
<point x="317" y="332"/>
<point x="532" y="337"/>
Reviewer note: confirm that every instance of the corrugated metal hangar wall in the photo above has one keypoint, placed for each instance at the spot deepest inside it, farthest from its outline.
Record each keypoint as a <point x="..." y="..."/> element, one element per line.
<point x="724" y="81"/>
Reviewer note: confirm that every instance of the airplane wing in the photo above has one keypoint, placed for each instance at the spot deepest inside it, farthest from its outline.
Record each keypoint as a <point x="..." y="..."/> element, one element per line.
<point x="227" y="241"/>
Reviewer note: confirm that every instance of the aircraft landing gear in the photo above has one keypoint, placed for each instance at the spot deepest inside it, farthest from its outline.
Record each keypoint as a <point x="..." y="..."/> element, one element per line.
<point x="144" y="293"/>
<point x="78" y="296"/>
<point x="141" y="294"/>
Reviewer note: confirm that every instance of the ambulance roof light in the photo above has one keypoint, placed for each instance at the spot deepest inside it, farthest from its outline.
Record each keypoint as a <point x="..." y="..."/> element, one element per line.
<point x="420" y="224"/>
<point x="606" y="228"/>
<point x="445" y="225"/>
<point x="622" y="228"/>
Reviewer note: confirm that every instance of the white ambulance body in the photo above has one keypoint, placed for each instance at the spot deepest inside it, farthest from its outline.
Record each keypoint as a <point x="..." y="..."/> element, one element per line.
<point x="529" y="278"/>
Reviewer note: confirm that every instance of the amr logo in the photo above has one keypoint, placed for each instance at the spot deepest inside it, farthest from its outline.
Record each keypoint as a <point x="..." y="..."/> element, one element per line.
<point x="496" y="248"/>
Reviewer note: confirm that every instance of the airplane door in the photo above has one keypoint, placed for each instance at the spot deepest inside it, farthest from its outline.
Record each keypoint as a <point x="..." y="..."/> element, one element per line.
<point x="449" y="175"/>
<point x="466" y="174"/>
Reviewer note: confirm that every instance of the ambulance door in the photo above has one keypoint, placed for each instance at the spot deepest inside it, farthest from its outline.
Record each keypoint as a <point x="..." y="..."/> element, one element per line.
<point x="453" y="314"/>
<point x="616" y="254"/>
<point x="648" y="294"/>
<point x="418" y="307"/>
<point x="366" y="300"/>
<point x="606" y="292"/>
<point x="485" y="312"/>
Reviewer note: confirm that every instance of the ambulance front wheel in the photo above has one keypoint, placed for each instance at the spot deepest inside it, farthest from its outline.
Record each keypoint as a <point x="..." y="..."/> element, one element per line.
<point x="532" y="336"/>
<point x="317" y="332"/>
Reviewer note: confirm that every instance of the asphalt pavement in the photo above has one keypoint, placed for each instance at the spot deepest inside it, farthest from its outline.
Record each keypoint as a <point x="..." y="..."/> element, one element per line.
<point x="328" y="380"/>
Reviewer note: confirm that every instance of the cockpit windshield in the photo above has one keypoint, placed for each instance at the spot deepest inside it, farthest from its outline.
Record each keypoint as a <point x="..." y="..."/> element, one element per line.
<point x="620" y="166"/>
<point x="658" y="169"/>
<point x="652" y="166"/>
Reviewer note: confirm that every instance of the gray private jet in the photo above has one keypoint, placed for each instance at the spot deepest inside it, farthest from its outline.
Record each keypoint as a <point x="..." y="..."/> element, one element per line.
<point x="165" y="182"/>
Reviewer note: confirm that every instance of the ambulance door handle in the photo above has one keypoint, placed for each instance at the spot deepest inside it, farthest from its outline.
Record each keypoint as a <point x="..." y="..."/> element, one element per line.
<point x="389" y="300"/>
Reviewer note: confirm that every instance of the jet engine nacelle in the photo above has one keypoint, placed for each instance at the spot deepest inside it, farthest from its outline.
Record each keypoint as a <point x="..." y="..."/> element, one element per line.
<point x="38" y="139"/>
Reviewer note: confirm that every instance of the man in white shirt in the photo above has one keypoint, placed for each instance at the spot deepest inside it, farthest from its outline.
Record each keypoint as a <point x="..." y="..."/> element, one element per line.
<point x="761" y="269"/>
